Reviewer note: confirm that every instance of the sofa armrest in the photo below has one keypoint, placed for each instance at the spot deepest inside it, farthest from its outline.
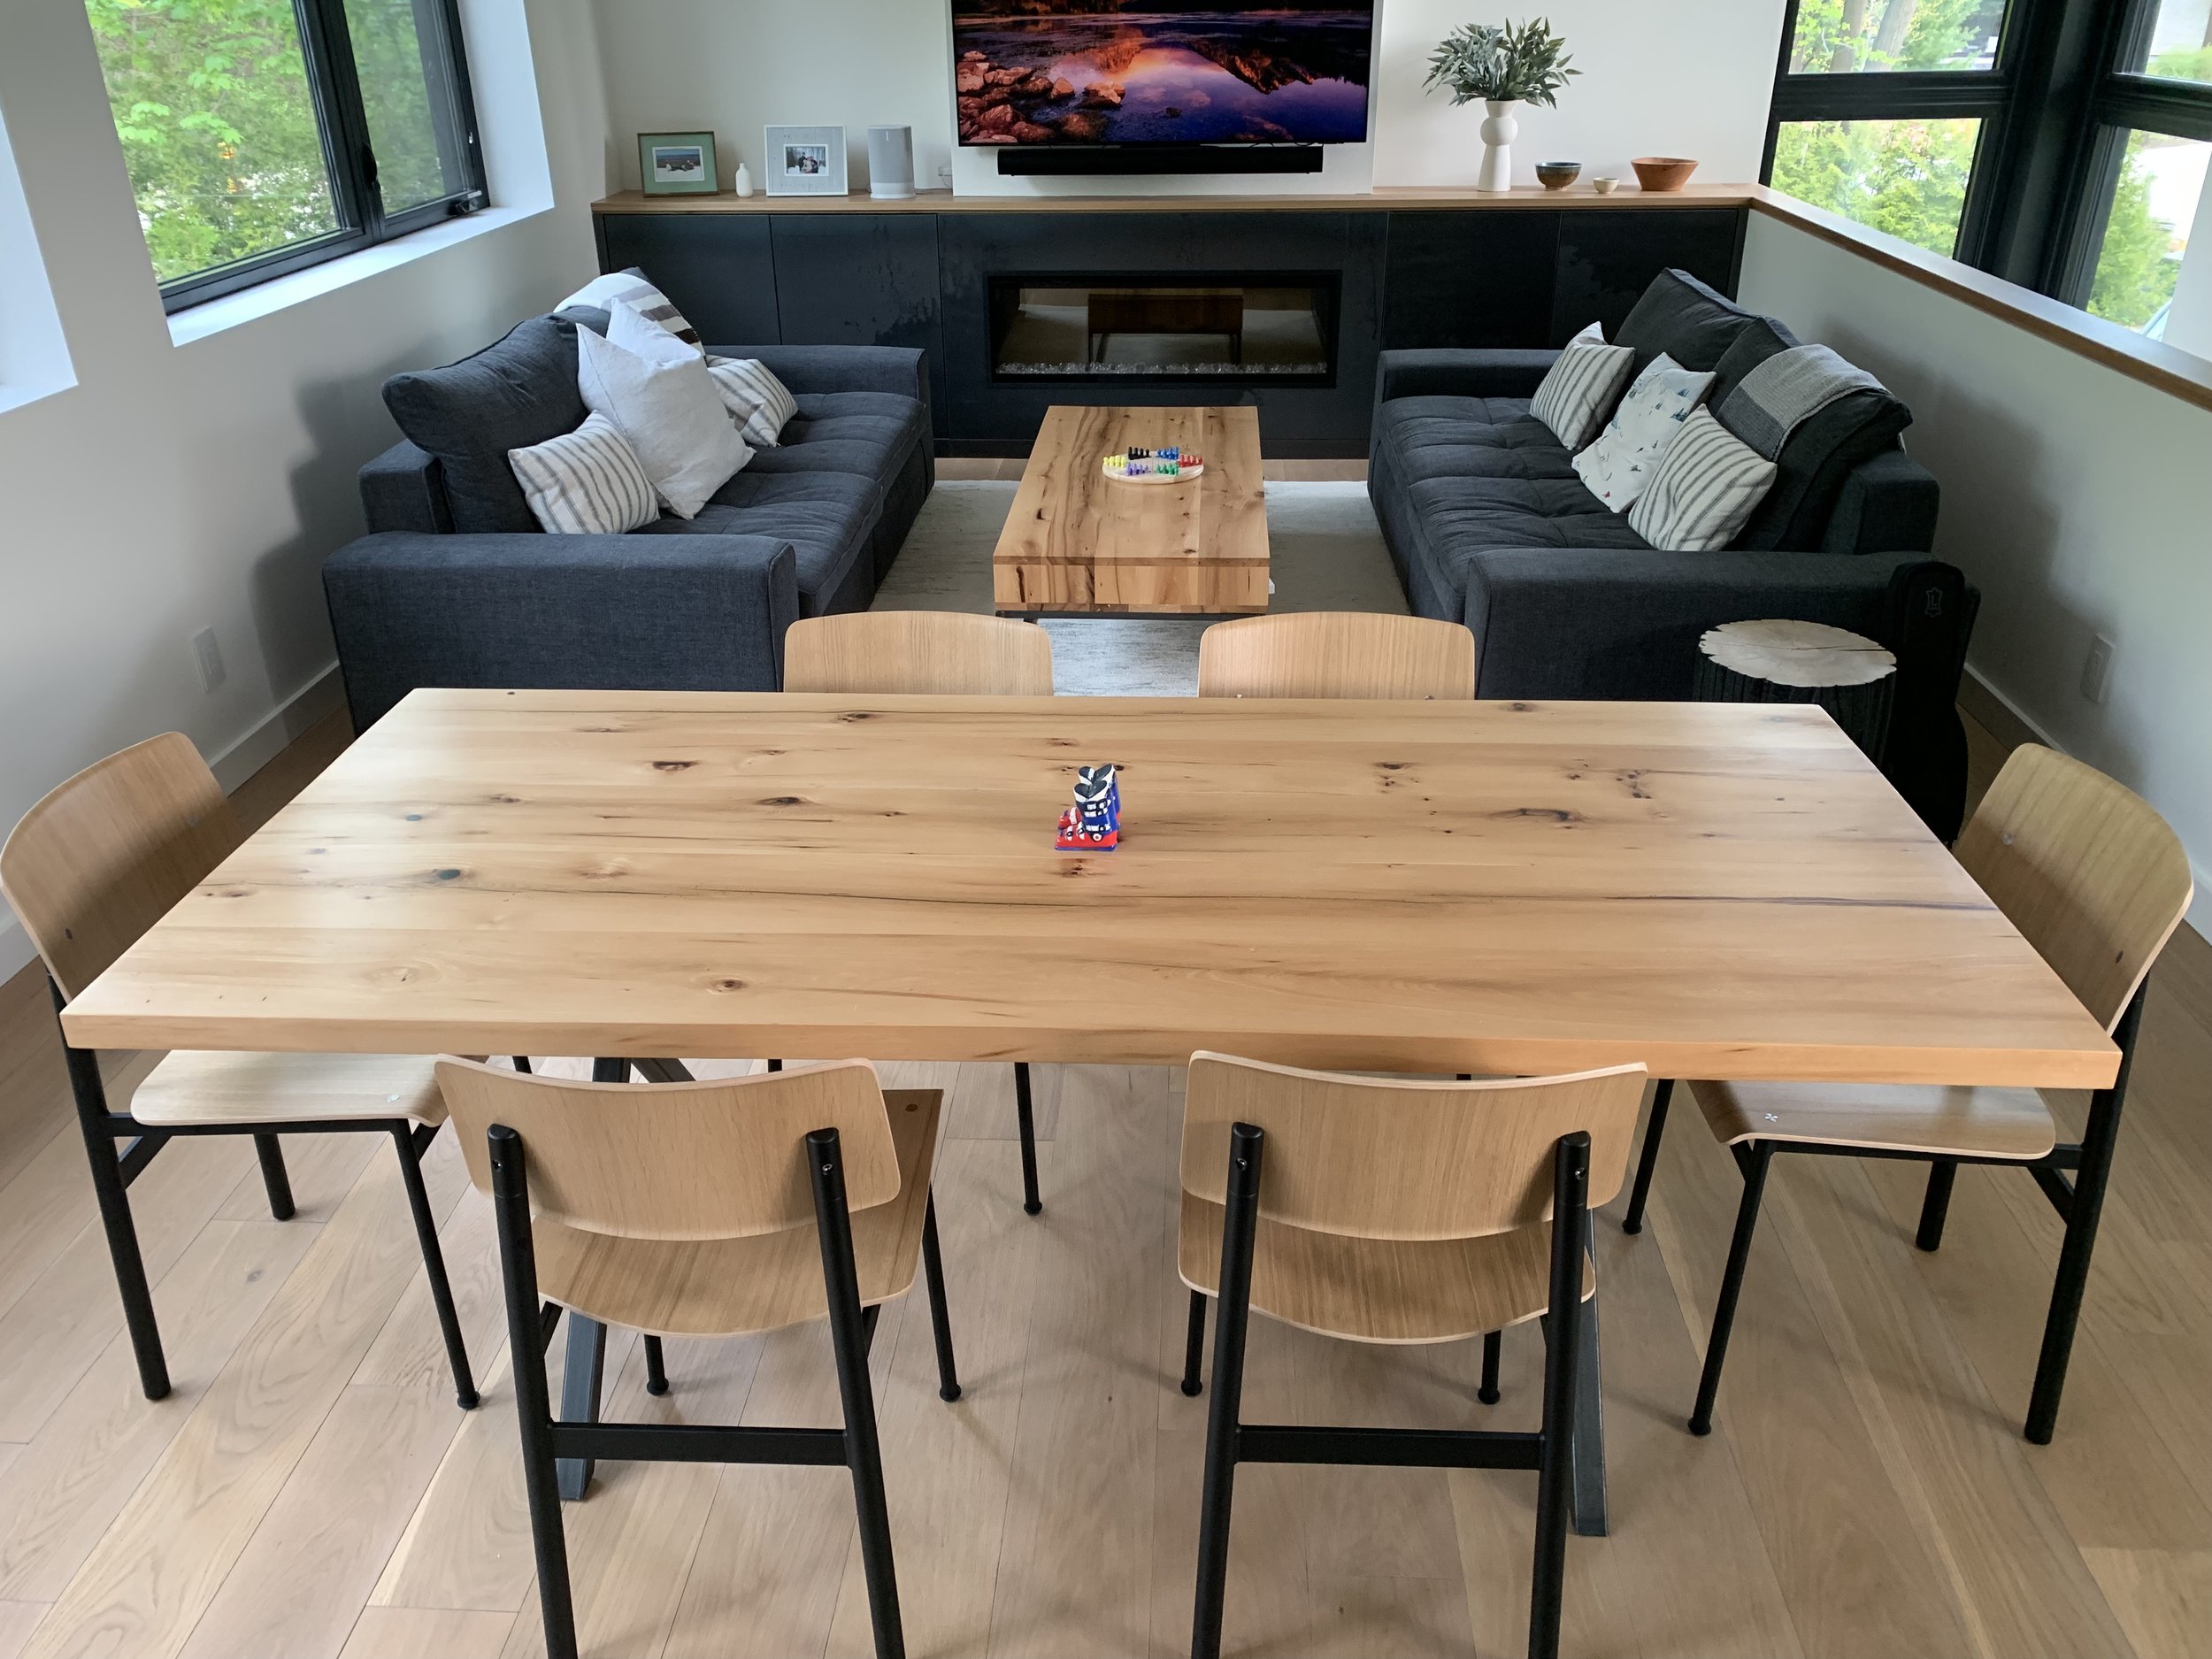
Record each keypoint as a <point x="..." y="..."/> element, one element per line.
<point x="1477" y="373"/>
<point x="404" y="488"/>
<point x="1623" y="623"/>
<point x="901" y="369"/>
<point x="567" y="612"/>
<point x="1887" y="504"/>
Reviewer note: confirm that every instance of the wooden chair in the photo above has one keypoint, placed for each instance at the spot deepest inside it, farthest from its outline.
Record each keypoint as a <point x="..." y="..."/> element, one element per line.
<point x="929" y="653"/>
<point x="2096" y="882"/>
<point x="711" y="1208"/>
<point x="1336" y="654"/>
<point x="91" y="867"/>
<point x="1406" y="1212"/>
<point x="919" y="653"/>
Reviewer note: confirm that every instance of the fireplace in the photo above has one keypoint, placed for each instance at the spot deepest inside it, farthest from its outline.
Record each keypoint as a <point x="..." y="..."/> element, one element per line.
<point x="1274" y="328"/>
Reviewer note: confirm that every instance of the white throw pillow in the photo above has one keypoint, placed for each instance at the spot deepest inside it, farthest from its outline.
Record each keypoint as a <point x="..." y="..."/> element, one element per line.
<point x="1703" y="492"/>
<point x="757" y="400"/>
<point x="1582" y="387"/>
<point x="669" y="413"/>
<point x="586" y="482"/>
<point x="1620" y="463"/>
<point x="630" y="288"/>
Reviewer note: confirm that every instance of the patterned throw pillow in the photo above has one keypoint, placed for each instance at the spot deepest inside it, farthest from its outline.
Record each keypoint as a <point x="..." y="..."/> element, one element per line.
<point x="630" y="288"/>
<point x="757" y="400"/>
<point x="1704" y="491"/>
<point x="1620" y="463"/>
<point x="586" y="482"/>
<point x="1579" y="392"/>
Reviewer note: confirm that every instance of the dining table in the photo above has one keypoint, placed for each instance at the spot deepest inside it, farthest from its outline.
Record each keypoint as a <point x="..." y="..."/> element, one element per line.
<point x="1716" y="890"/>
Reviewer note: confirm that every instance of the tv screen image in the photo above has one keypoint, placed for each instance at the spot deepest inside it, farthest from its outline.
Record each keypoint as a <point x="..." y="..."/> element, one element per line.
<point x="1142" y="72"/>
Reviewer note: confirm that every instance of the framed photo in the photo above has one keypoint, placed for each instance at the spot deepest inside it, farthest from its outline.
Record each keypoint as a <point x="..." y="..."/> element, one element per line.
<point x="677" y="163"/>
<point x="804" y="160"/>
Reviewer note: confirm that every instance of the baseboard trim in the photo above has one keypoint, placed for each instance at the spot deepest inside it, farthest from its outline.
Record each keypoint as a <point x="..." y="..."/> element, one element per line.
<point x="233" y="767"/>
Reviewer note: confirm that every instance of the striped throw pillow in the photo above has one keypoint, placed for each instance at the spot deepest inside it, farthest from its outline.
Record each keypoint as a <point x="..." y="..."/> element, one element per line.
<point x="1582" y="387"/>
<point x="1702" y="494"/>
<point x="757" y="400"/>
<point x="586" y="482"/>
<point x="630" y="288"/>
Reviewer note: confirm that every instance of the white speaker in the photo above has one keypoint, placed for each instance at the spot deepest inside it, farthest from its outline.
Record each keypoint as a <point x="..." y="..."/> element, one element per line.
<point x="891" y="163"/>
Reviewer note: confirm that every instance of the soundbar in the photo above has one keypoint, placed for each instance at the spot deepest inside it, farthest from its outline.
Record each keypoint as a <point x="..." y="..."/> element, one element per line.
<point x="1087" y="161"/>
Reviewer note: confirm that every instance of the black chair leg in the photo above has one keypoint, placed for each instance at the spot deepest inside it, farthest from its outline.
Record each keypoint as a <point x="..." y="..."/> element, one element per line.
<point x="1026" y="1119"/>
<point x="1239" y="1224"/>
<point x="1562" y="1353"/>
<point x="1195" y="1344"/>
<point x="456" y="1351"/>
<point x="1660" y="1098"/>
<point x="656" y="1367"/>
<point x="864" y="1455"/>
<point x="1754" y="1161"/>
<point x="522" y="1063"/>
<point x="1493" y="1351"/>
<point x="526" y="1342"/>
<point x="275" y="1181"/>
<point x="115" y="1217"/>
<point x="1935" y="1208"/>
<point x="581" y="1373"/>
<point x="940" y="1320"/>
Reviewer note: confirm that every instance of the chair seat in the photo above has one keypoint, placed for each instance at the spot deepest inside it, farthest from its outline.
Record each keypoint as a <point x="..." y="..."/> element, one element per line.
<point x="1987" y="1123"/>
<point x="1381" y="1290"/>
<point x="210" y="1086"/>
<point x="730" y="1287"/>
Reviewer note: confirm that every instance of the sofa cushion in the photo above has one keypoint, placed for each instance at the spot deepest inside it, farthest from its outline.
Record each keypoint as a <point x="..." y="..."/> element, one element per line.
<point x="509" y="395"/>
<point x="827" y="518"/>
<point x="1680" y="316"/>
<point x="893" y="423"/>
<point x="1469" y="437"/>
<point x="1460" y="517"/>
<point x="1759" y="339"/>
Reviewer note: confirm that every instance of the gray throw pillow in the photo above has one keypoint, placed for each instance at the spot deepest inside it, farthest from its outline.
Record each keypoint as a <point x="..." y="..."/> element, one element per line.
<point x="1680" y="316"/>
<point x="512" y="395"/>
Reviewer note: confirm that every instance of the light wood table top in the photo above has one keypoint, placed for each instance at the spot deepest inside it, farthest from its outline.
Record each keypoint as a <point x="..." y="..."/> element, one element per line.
<point x="1078" y="541"/>
<point x="1717" y="890"/>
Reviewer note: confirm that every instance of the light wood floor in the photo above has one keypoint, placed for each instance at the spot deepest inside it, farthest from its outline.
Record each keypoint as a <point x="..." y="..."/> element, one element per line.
<point x="310" y="1489"/>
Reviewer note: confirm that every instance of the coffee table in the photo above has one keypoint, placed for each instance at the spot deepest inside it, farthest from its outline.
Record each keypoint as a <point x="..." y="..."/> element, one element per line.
<point x="1078" y="543"/>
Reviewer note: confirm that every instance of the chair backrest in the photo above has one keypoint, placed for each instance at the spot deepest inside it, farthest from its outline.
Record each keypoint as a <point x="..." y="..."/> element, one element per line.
<point x="104" y="856"/>
<point x="724" y="1159"/>
<point x="2084" y="868"/>
<point x="919" y="653"/>
<point x="1377" y="1158"/>
<point x="1336" y="654"/>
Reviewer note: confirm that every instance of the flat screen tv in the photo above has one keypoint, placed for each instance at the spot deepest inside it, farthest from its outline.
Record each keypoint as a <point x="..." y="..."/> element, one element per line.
<point x="1030" y="72"/>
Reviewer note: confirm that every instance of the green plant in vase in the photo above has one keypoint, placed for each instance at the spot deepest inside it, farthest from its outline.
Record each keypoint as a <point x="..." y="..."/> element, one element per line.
<point x="1505" y="65"/>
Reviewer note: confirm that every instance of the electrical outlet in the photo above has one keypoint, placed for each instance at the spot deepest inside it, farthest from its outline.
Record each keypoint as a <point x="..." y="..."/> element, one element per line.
<point x="2096" y="670"/>
<point x="208" y="654"/>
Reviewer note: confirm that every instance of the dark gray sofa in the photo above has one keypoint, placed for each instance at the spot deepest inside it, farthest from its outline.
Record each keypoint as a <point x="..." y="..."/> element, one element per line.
<point x="456" y="584"/>
<point x="1488" y="525"/>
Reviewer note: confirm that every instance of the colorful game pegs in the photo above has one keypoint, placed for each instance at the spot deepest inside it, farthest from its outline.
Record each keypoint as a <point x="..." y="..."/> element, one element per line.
<point x="1094" y="822"/>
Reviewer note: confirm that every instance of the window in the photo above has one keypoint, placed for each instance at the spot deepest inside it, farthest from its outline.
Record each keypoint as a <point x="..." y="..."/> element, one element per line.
<point x="2061" y="144"/>
<point x="264" y="135"/>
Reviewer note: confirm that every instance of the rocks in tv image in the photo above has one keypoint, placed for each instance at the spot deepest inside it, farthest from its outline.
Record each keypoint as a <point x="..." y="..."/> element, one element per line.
<point x="1089" y="72"/>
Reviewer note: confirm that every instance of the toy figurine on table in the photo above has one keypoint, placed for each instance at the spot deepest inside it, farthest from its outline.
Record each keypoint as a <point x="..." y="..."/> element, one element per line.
<point x="1092" y="825"/>
<point x="1136" y="465"/>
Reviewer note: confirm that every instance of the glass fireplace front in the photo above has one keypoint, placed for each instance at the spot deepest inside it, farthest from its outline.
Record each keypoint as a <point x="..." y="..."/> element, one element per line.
<point x="1278" y="329"/>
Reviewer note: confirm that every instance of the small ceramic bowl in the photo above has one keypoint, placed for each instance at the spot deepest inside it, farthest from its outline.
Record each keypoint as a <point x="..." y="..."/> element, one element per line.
<point x="1605" y="185"/>
<point x="1557" y="175"/>
<point x="1658" y="173"/>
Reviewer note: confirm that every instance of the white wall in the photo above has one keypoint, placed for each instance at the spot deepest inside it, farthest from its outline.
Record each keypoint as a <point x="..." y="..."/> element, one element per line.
<point x="1656" y="80"/>
<point x="179" y="486"/>
<point x="2073" y="496"/>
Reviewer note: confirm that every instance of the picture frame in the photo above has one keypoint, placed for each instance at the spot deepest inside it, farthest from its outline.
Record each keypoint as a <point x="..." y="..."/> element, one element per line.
<point x="804" y="160"/>
<point x="677" y="163"/>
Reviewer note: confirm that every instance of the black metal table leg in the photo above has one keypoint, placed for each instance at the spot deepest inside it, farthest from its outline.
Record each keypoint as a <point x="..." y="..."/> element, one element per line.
<point x="1195" y="1345"/>
<point x="275" y="1181"/>
<point x="1025" y="1118"/>
<point x="580" y="1380"/>
<point x="1492" y="1353"/>
<point x="1647" y="1161"/>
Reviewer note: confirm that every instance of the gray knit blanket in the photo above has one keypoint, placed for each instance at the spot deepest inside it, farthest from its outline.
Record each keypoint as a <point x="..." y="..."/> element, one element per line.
<point x="1789" y="387"/>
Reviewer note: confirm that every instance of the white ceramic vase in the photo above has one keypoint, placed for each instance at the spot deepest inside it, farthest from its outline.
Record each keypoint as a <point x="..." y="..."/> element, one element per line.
<point x="742" y="181"/>
<point x="1499" y="130"/>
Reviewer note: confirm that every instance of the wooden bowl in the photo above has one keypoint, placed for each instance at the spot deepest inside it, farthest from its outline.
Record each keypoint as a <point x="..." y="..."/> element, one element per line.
<point x="1557" y="175"/>
<point x="1659" y="173"/>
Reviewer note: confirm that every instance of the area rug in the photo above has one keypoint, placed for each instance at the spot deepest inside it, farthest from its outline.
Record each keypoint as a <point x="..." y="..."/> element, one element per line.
<point x="1323" y="548"/>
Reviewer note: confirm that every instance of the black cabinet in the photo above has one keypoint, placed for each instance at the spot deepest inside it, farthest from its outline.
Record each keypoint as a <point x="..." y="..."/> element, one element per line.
<point x="1465" y="279"/>
<point x="720" y="271"/>
<point x="1606" y="260"/>
<point x="860" y="279"/>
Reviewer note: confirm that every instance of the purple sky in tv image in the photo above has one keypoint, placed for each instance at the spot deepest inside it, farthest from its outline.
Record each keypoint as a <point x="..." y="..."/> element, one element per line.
<point x="1125" y="72"/>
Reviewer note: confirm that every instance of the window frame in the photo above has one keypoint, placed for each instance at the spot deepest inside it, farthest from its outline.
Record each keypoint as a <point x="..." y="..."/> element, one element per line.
<point x="2055" y="109"/>
<point x="349" y="158"/>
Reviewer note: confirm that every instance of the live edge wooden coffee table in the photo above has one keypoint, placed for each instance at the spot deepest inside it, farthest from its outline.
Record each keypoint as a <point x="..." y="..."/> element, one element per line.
<point x="1078" y="542"/>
